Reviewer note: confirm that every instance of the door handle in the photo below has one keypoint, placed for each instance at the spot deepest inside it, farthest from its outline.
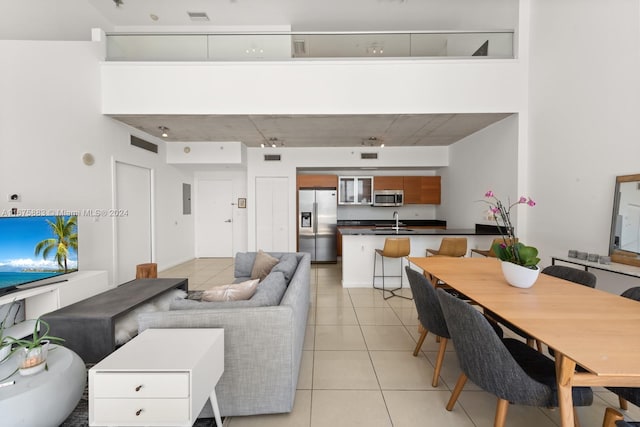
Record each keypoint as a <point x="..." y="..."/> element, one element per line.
<point x="228" y="220"/>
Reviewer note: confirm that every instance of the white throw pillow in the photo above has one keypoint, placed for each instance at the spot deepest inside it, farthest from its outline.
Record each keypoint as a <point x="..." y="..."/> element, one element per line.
<point x="234" y="292"/>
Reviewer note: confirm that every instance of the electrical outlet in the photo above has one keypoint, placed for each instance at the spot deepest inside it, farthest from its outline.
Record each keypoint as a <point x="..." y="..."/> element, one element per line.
<point x="15" y="197"/>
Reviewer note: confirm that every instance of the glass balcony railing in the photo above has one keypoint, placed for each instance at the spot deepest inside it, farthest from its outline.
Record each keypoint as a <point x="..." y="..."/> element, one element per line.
<point x="292" y="46"/>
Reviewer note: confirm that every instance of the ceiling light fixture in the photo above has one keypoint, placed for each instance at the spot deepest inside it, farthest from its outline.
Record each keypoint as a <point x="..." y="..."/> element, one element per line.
<point x="273" y="140"/>
<point x="164" y="131"/>
<point x="153" y="17"/>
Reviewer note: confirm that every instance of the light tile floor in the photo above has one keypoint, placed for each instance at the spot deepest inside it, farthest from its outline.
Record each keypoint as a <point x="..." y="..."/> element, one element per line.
<point x="358" y="370"/>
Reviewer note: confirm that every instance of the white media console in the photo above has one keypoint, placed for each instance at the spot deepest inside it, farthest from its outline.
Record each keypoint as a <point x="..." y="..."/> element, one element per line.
<point x="43" y="299"/>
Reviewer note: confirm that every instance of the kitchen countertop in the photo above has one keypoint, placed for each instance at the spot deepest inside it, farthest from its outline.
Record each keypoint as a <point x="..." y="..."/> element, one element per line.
<point x="389" y="222"/>
<point x="408" y="231"/>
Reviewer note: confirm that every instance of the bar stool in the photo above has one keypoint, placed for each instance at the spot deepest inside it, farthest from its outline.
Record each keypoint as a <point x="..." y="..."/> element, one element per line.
<point x="393" y="248"/>
<point x="451" y="246"/>
<point x="489" y="252"/>
<point x="147" y="271"/>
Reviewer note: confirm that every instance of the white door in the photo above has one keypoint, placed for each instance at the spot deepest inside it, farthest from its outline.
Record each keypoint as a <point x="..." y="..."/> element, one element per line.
<point x="133" y="230"/>
<point x="213" y="216"/>
<point x="272" y="214"/>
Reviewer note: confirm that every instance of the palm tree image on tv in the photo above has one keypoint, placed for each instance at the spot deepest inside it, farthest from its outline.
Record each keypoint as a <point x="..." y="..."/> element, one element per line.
<point x="65" y="238"/>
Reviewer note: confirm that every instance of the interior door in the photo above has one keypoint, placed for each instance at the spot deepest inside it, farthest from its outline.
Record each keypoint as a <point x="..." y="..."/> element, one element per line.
<point x="213" y="218"/>
<point x="133" y="187"/>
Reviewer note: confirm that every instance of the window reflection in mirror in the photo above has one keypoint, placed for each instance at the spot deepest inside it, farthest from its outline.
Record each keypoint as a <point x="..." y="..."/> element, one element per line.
<point x="625" y="223"/>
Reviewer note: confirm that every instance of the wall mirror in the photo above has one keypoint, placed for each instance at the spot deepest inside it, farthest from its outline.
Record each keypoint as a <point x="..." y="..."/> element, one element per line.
<point x="625" y="221"/>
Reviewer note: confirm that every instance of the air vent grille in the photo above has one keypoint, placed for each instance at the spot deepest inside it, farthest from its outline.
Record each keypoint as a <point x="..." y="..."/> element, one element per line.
<point x="368" y="155"/>
<point x="198" y="16"/>
<point x="145" y="145"/>
<point x="272" y="157"/>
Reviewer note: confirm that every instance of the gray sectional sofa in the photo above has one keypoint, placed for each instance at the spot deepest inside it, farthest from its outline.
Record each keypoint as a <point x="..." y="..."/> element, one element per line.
<point x="263" y="335"/>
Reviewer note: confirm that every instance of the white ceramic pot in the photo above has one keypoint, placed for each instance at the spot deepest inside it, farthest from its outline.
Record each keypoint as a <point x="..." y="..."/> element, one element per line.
<point x="519" y="276"/>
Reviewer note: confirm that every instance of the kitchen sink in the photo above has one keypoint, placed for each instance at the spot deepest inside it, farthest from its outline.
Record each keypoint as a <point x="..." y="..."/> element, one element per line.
<point x="386" y="230"/>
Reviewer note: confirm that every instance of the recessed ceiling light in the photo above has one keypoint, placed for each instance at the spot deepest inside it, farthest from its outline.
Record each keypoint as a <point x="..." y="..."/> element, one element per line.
<point x="198" y="16"/>
<point x="164" y="131"/>
<point x="153" y="17"/>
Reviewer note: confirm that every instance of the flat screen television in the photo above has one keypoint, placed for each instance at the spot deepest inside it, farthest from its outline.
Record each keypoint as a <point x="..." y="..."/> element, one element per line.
<point x="35" y="250"/>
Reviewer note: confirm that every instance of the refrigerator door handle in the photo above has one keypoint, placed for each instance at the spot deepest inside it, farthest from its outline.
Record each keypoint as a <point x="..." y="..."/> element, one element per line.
<point x="315" y="218"/>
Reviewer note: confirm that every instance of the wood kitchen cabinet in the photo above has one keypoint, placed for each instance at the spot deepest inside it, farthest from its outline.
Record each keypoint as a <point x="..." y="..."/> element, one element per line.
<point x="422" y="190"/>
<point x="317" y="181"/>
<point x="388" y="183"/>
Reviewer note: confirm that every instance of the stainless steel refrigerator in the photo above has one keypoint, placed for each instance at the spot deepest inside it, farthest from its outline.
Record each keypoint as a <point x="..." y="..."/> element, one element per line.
<point x="317" y="228"/>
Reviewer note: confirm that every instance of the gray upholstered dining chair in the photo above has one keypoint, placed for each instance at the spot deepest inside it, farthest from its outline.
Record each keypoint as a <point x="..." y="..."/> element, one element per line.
<point x="430" y="316"/>
<point x="613" y="418"/>
<point x="628" y="394"/>
<point x="507" y="368"/>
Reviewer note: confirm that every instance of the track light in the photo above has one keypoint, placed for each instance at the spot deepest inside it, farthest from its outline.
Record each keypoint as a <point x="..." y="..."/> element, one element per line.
<point x="164" y="131"/>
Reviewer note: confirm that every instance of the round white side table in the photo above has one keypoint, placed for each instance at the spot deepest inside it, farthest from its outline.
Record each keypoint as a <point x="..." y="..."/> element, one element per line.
<point x="44" y="399"/>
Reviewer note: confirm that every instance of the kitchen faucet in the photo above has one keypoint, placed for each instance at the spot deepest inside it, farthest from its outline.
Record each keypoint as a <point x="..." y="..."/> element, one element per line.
<point x="397" y="218"/>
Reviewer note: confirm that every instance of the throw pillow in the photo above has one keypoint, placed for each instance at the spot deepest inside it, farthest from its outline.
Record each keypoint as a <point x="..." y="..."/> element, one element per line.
<point x="233" y="292"/>
<point x="262" y="265"/>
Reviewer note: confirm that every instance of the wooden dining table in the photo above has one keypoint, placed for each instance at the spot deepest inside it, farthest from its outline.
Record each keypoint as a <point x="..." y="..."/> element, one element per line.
<point x="597" y="330"/>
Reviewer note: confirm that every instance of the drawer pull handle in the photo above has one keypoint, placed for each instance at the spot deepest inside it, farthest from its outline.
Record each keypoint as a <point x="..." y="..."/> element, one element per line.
<point x="138" y="412"/>
<point x="138" y="388"/>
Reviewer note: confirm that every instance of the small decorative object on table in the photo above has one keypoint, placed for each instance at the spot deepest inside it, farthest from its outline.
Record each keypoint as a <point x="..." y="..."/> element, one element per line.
<point x="519" y="262"/>
<point x="32" y="352"/>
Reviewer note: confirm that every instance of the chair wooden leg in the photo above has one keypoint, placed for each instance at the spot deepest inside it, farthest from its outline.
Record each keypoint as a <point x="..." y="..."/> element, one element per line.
<point x="423" y="335"/>
<point x="439" y="360"/>
<point x="610" y="417"/>
<point x="539" y="346"/>
<point x="531" y="342"/>
<point x="501" y="413"/>
<point x="462" y="379"/>
<point x="576" y="420"/>
<point x="624" y="405"/>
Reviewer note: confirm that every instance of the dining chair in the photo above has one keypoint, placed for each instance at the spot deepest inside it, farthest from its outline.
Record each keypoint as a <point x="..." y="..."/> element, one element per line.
<point x="613" y="418"/>
<point x="430" y="317"/>
<point x="394" y="247"/>
<point x="490" y="252"/>
<point x="570" y="274"/>
<point x="508" y="368"/>
<point x="628" y="394"/>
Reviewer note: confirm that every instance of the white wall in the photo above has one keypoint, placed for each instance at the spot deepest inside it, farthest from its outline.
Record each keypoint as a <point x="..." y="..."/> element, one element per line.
<point x="486" y="160"/>
<point x="49" y="116"/>
<point x="584" y="127"/>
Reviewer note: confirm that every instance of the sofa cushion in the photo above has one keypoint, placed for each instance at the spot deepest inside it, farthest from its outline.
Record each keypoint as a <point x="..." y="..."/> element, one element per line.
<point x="233" y="292"/>
<point x="269" y="292"/>
<point x="287" y="265"/>
<point x="262" y="265"/>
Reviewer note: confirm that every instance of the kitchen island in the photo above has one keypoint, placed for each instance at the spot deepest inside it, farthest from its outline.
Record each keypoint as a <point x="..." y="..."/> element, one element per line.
<point x="359" y="245"/>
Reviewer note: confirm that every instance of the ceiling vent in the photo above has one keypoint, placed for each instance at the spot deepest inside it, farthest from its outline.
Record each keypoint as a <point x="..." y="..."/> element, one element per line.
<point x="272" y="157"/>
<point x="198" y="16"/>
<point x="299" y="47"/>
<point x="368" y="155"/>
<point x="145" y="145"/>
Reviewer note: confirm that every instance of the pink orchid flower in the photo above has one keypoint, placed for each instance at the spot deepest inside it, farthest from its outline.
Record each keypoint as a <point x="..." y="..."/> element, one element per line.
<point x="522" y="199"/>
<point x="495" y="210"/>
<point x="530" y="202"/>
<point x="489" y="194"/>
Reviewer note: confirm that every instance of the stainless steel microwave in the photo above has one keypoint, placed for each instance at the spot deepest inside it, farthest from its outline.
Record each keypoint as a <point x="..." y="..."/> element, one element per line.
<point x="388" y="198"/>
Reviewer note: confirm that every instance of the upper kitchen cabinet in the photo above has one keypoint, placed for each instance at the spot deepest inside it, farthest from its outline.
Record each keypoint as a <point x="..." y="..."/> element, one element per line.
<point x="423" y="190"/>
<point x="388" y="183"/>
<point x="355" y="190"/>
<point x="317" y="181"/>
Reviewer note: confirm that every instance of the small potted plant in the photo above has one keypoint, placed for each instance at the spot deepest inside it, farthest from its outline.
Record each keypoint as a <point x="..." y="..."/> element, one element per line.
<point x="32" y="352"/>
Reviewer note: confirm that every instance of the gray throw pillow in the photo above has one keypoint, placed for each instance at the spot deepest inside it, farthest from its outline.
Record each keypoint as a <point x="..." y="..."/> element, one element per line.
<point x="287" y="266"/>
